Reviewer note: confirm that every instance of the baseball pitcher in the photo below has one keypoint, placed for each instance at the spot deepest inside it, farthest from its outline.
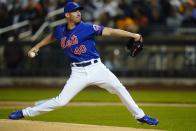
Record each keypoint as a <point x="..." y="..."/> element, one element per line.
<point x="76" y="39"/>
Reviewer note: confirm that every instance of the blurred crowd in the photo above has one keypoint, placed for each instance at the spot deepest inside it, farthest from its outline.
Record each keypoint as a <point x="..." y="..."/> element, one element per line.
<point x="144" y="16"/>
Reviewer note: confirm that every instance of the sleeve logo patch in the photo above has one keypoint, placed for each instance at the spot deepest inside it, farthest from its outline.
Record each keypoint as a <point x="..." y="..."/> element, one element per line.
<point x="96" y="27"/>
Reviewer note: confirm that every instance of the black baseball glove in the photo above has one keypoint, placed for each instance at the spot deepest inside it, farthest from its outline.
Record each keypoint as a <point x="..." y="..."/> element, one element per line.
<point x="134" y="47"/>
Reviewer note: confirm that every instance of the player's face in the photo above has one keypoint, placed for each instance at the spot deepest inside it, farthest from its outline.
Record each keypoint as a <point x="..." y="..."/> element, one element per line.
<point x="74" y="17"/>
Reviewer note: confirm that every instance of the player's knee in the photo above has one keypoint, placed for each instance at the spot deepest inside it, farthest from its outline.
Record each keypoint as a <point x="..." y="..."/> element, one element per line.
<point x="112" y="91"/>
<point x="119" y="89"/>
<point x="116" y="89"/>
<point x="60" y="101"/>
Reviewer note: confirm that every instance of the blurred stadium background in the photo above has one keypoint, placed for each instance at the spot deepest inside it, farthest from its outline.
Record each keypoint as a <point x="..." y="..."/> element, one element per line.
<point x="168" y="27"/>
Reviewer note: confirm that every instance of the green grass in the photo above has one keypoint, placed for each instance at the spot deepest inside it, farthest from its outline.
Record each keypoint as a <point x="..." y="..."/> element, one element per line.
<point x="171" y="118"/>
<point x="99" y="95"/>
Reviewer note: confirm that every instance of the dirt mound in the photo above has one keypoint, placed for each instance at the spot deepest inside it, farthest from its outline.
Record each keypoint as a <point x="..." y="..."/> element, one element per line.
<point x="24" y="125"/>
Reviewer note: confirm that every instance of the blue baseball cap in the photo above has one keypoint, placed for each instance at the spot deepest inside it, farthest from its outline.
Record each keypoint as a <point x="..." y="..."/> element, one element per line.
<point x="71" y="7"/>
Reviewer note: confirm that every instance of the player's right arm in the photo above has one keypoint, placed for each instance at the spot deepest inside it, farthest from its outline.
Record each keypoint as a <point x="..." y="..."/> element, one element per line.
<point x="47" y="40"/>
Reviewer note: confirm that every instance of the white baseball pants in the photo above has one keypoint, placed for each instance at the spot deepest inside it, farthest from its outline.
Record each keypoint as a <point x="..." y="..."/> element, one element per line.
<point x="94" y="74"/>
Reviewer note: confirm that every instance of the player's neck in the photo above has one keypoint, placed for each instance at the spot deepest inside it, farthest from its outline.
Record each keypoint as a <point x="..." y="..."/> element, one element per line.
<point x="71" y="25"/>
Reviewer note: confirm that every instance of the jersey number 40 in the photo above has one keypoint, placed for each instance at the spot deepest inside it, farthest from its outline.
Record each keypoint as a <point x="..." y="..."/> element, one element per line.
<point x="79" y="50"/>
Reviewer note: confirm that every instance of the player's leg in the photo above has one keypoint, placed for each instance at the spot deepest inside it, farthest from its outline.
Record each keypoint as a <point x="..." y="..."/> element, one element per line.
<point x="110" y="82"/>
<point x="76" y="83"/>
<point x="105" y="79"/>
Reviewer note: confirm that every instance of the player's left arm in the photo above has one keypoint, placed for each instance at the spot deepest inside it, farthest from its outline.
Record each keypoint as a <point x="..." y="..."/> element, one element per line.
<point x="135" y="43"/>
<point x="120" y="33"/>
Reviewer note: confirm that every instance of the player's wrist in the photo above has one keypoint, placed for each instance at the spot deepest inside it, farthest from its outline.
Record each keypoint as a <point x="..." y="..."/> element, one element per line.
<point x="138" y="37"/>
<point x="36" y="48"/>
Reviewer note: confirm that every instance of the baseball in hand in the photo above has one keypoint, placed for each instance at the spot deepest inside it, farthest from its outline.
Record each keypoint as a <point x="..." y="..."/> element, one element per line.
<point x="32" y="54"/>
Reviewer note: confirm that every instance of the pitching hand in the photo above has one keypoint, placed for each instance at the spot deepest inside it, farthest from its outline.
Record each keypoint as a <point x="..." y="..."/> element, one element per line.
<point x="33" y="52"/>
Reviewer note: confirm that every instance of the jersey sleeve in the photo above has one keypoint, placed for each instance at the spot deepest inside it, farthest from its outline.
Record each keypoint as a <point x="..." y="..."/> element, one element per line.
<point x="94" y="30"/>
<point x="58" y="32"/>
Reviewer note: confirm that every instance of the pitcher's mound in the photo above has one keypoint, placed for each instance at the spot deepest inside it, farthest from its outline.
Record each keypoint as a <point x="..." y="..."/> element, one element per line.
<point x="26" y="125"/>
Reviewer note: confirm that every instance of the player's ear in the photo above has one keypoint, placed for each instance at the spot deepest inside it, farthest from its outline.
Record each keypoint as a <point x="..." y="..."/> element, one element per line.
<point x="67" y="15"/>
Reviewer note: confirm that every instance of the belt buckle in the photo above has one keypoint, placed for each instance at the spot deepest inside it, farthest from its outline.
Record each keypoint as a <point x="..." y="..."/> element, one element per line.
<point x="85" y="63"/>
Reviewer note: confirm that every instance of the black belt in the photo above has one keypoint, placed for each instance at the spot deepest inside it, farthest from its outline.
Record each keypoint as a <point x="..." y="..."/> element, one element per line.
<point x="84" y="64"/>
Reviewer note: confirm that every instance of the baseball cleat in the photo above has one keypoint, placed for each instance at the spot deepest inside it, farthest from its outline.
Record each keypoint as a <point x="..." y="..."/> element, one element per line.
<point x="148" y="120"/>
<point x="16" y="115"/>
